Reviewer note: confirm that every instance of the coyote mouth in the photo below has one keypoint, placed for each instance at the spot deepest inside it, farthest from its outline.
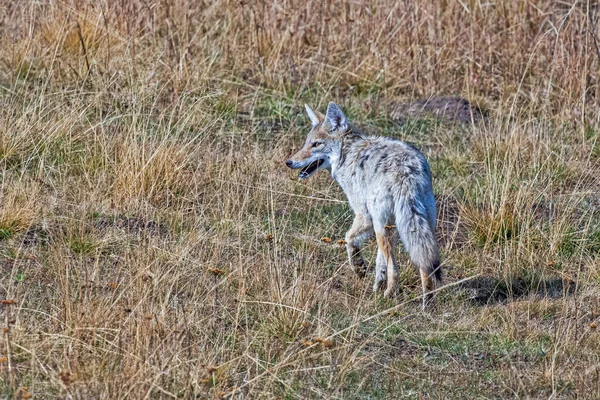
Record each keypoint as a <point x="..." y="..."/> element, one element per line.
<point x="310" y="169"/>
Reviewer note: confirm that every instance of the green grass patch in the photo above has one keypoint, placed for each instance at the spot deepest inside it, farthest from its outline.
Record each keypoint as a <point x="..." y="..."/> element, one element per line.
<point x="8" y="230"/>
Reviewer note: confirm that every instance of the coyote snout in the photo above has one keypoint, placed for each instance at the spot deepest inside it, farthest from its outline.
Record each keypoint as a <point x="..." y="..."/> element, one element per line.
<point x="387" y="182"/>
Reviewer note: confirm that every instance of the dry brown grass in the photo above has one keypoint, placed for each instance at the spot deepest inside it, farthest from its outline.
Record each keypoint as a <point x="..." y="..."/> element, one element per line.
<point x="153" y="244"/>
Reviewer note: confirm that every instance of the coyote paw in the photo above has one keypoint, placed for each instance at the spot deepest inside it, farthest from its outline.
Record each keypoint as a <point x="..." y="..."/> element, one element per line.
<point x="392" y="283"/>
<point x="428" y="302"/>
<point x="379" y="284"/>
<point x="359" y="267"/>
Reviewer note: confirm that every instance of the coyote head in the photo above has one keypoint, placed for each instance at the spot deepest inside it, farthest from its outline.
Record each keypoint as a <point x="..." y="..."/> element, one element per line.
<point x="322" y="143"/>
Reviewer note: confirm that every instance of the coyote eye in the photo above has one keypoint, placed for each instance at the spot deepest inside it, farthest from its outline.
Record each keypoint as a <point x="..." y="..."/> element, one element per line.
<point x="317" y="144"/>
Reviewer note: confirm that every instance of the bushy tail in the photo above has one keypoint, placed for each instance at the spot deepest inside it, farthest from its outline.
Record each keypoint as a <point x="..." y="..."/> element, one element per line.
<point x="418" y="237"/>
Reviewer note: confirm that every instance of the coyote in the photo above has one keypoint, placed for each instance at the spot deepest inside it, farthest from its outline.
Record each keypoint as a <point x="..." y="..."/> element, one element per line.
<point x="387" y="182"/>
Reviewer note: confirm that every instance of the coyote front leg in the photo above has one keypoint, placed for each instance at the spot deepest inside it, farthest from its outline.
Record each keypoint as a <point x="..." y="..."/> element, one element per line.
<point x="361" y="230"/>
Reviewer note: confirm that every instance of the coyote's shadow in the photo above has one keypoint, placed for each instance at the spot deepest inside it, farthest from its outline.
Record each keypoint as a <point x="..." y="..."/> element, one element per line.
<point x="486" y="290"/>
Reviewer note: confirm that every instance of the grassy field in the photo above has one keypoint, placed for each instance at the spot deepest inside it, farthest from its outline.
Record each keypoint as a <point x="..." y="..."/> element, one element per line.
<point x="154" y="245"/>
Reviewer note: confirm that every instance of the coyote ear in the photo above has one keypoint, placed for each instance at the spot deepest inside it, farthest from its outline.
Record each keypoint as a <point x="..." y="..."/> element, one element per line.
<point x="314" y="118"/>
<point x="335" y="118"/>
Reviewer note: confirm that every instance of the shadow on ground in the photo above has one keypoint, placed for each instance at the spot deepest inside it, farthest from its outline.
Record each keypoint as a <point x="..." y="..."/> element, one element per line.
<point x="486" y="290"/>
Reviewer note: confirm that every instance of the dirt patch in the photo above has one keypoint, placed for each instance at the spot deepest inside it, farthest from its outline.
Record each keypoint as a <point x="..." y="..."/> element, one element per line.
<point x="42" y="234"/>
<point x="401" y="347"/>
<point x="132" y="224"/>
<point x="447" y="108"/>
<point x="45" y="234"/>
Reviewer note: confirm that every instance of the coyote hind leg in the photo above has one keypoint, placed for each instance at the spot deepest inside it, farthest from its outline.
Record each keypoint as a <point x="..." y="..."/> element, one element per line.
<point x="427" y="284"/>
<point x="383" y="268"/>
<point x="385" y="243"/>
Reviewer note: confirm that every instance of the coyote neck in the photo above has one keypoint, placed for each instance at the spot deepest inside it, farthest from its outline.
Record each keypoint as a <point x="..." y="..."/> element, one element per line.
<point x="348" y="142"/>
